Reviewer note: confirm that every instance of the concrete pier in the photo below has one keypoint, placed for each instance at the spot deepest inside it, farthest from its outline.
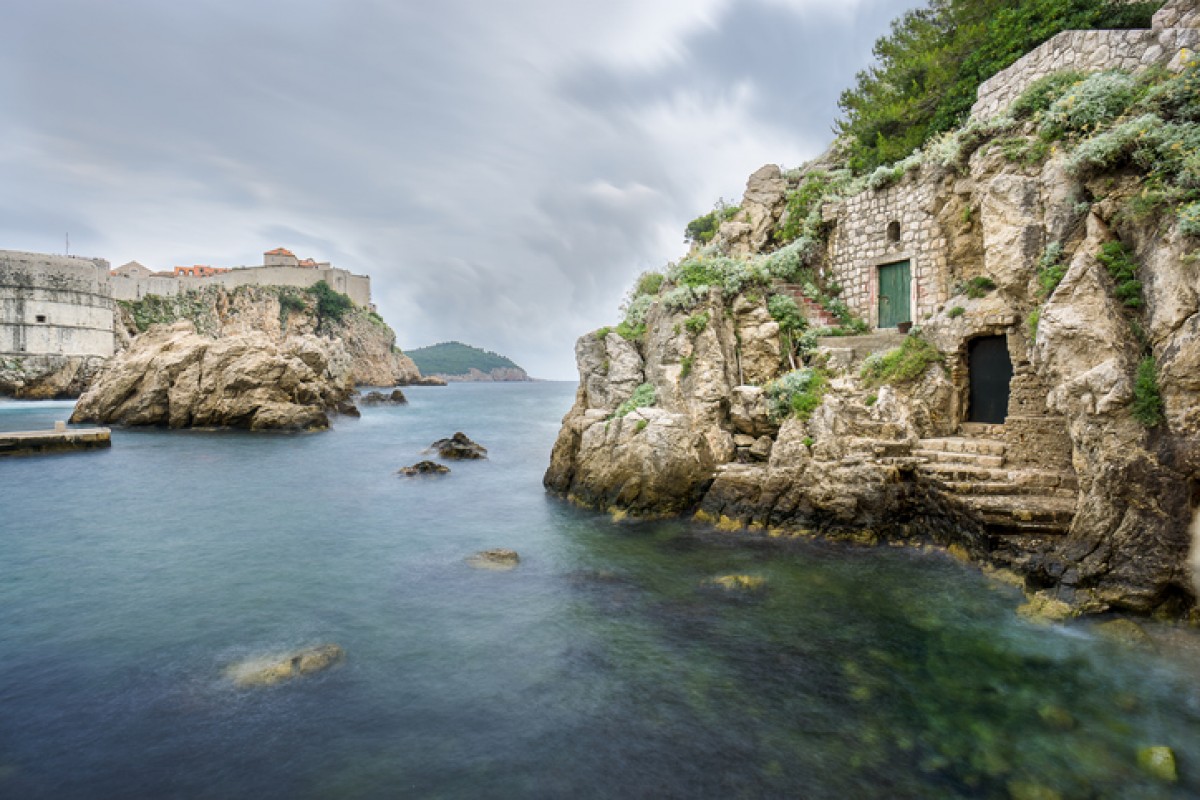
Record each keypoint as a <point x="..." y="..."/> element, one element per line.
<point x="59" y="440"/>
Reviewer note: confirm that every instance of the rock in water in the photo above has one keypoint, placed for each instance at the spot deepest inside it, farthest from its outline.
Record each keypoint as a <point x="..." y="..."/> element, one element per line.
<point x="458" y="447"/>
<point x="499" y="558"/>
<point x="424" y="468"/>
<point x="175" y="377"/>
<point x="1158" y="762"/>
<point x="741" y="584"/>
<point x="270" y="670"/>
<point x="396" y="398"/>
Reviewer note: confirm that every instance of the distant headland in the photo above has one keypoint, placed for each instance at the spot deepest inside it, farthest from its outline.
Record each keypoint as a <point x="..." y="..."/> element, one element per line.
<point x="455" y="361"/>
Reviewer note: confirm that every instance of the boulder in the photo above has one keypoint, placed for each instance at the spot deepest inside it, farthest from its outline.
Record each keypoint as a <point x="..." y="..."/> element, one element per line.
<point x="395" y="398"/>
<point x="424" y="468"/>
<point x="498" y="558"/>
<point x="273" y="669"/>
<point x="1158" y="762"/>
<point x="458" y="448"/>
<point x="173" y="376"/>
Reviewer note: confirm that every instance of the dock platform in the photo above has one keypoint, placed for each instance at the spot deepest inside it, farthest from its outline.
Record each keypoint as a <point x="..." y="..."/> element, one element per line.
<point x="62" y="439"/>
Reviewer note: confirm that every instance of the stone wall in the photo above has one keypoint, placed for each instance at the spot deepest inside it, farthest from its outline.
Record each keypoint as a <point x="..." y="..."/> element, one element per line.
<point x="54" y="305"/>
<point x="356" y="287"/>
<point x="860" y="244"/>
<point x="1176" y="26"/>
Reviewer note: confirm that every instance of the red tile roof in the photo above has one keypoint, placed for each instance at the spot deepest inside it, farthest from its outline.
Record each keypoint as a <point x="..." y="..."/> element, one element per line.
<point x="280" y="251"/>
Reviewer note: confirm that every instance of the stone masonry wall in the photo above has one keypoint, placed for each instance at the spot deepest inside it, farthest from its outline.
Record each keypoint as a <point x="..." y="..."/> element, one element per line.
<point x="356" y="287"/>
<point x="1176" y="27"/>
<point x="859" y="245"/>
<point x="54" y="305"/>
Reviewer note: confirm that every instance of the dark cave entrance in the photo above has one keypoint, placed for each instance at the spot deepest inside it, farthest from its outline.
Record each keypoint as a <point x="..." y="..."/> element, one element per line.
<point x="990" y="369"/>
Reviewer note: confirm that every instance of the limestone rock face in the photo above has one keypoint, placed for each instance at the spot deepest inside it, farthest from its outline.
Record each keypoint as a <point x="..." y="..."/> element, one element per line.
<point x="47" y="377"/>
<point x="175" y="377"/>
<point x="763" y="202"/>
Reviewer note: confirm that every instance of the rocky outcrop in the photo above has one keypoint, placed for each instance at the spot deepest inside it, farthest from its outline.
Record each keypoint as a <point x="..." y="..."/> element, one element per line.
<point x="279" y="312"/>
<point x="459" y="447"/>
<point x="393" y="398"/>
<point x="175" y="377"/>
<point x="1088" y="503"/>
<point x="47" y="377"/>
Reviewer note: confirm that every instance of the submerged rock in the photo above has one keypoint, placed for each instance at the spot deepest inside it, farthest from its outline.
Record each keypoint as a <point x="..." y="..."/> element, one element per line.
<point x="396" y="398"/>
<point x="1158" y="762"/>
<point x="498" y="558"/>
<point x="270" y="670"/>
<point x="458" y="447"/>
<point x="1045" y="609"/>
<point x="744" y="584"/>
<point x="424" y="468"/>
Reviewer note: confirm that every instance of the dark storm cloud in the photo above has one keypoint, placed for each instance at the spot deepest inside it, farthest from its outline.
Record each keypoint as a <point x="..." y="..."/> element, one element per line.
<point x="501" y="170"/>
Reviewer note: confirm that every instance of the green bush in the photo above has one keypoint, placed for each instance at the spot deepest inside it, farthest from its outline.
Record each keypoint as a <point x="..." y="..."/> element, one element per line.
<point x="956" y="312"/>
<point x="702" y="229"/>
<point x="696" y="323"/>
<point x="1042" y="93"/>
<point x="803" y="203"/>
<point x="798" y="393"/>
<point x="643" y="396"/>
<point x="901" y="364"/>
<point x="1032" y="321"/>
<point x="1147" y="400"/>
<point x="331" y="304"/>
<point x="684" y="298"/>
<point x="685" y="366"/>
<point x="630" y="332"/>
<point x="1118" y="260"/>
<point x="978" y="286"/>
<point x="648" y="283"/>
<point x="1189" y="219"/>
<point x="1098" y="99"/>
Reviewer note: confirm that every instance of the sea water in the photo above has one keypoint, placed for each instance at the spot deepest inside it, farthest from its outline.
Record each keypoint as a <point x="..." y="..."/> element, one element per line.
<point x="605" y="665"/>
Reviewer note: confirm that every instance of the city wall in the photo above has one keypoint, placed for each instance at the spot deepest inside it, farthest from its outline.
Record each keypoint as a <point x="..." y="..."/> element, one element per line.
<point x="135" y="287"/>
<point x="54" y="305"/>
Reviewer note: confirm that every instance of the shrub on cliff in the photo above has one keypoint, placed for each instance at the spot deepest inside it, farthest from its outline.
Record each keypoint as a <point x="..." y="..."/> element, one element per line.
<point x="331" y="304"/>
<point x="644" y="395"/>
<point x="901" y="364"/>
<point x="798" y="393"/>
<point x="927" y="70"/>
<point x="1087" y="105"/>
<point x="702" y="229"/>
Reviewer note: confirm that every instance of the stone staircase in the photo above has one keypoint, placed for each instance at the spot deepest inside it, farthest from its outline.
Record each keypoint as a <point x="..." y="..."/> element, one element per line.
<point x="1011" y="501"/>
<point x="814" y="312"/>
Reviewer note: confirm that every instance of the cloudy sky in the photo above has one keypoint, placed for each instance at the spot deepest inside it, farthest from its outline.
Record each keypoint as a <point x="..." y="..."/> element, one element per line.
<point x="502" y="170"/>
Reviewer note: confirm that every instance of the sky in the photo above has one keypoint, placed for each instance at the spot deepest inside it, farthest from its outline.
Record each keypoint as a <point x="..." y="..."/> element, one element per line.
<point x="502" y="170"/>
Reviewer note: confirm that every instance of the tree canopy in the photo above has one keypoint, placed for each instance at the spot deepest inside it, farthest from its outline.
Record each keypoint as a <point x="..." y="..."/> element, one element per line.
<point x="929" y="67"/>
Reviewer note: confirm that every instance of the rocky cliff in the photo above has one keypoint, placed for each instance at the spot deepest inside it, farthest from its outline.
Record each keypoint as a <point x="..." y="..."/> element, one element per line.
<point x="46" y="377"/>
<point x="173" y="376"/>
<point x="723" y="395"/>
<point x="279" y="312"/>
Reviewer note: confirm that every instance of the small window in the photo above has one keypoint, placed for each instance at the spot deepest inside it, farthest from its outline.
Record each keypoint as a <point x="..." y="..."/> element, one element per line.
<point x="40" y="318"/>
<point x="893" y="232"/>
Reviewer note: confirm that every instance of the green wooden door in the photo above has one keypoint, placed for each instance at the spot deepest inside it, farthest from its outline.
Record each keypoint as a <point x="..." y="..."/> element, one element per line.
<point x="894" y="299"/>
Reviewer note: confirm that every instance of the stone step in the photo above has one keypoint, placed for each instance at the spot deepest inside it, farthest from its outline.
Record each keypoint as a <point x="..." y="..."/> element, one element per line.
<point x="998" y="488"/>
<point x="1018" y="510"/>
<point x="981" y="429"/>
<point x="970" y="459"/>
<point x="1033" y="478"/>
<point x="962" y="444"/>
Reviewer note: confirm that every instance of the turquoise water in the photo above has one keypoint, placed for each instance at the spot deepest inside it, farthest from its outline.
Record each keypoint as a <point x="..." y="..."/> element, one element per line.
<point x="601" y="667"/>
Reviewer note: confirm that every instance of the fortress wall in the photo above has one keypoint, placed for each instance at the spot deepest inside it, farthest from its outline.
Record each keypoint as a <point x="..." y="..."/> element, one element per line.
<point x="859" y="244"/>
<point x="1176" y="27"/>
<point x="54" y="305"/>
<point x="357" y="287"/>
